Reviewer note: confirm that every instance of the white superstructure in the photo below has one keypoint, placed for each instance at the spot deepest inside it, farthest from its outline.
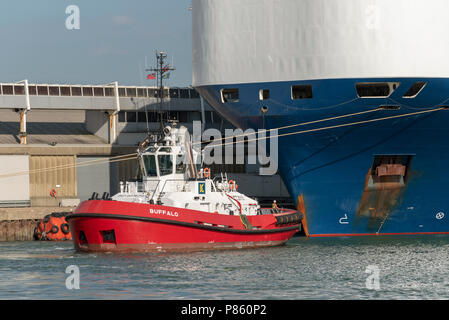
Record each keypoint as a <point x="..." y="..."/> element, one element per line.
<point x="172" y="177"/>
<point x="245" y="41"/>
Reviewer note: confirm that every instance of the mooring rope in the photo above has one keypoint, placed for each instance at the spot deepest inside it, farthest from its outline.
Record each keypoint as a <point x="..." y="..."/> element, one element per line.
<point x="131" y="156"/>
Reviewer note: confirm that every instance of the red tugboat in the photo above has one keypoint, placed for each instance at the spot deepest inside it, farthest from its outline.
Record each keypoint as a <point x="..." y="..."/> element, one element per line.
<point x="177" y="207"/>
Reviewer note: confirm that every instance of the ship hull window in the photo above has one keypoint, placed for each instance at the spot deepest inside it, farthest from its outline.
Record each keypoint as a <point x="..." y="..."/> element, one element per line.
<point x="414" y="90"/>
<point x="264" y="94"/>
<point x="302" y="92"/>
<point x="230" y="95"/>
<point x="376" y="89"/>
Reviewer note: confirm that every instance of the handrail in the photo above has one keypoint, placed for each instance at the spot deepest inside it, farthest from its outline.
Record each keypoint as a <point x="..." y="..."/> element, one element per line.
<point x="239" y="204"/>
<point x="154" y="191"/>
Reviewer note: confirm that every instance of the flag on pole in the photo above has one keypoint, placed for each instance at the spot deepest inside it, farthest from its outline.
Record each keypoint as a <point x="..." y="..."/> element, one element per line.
<point x="151" y="76"/>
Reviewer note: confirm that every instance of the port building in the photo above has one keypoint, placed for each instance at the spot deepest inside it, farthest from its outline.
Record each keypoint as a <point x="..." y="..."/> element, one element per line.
<point x="59" y="143"/>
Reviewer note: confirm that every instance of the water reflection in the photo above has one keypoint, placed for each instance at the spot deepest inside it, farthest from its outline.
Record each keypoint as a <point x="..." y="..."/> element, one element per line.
<point x="305" y="268"/>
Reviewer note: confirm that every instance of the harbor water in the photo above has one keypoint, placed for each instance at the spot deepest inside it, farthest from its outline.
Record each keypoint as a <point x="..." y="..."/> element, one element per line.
<point x="405" y="267"/>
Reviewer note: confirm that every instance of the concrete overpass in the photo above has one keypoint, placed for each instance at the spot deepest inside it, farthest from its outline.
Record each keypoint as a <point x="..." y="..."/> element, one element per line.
<point x="102" y="103"/>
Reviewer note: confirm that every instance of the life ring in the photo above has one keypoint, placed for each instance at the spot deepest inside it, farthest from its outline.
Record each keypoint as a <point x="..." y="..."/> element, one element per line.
<point x="53" y="193"/>
<point x="65" y="228"/>
<point x="206" y="172"/>
<point x="232" y="184"/>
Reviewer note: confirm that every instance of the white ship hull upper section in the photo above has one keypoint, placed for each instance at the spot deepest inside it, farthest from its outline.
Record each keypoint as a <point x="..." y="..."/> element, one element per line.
<point x="246" y="41"/>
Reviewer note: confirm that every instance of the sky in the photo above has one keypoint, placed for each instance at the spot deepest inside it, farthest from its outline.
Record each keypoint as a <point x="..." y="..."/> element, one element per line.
<point x="113" y="40"/>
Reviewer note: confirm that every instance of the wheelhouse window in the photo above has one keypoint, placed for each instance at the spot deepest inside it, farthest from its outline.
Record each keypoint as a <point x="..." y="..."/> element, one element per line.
<point x="165" y="164"/>
<point x="376" y="90"/>
<point x="414" y="90"/>
<point x="149" y="161"/>
<point x="302" y="92"/>
<point x="230" y="95"/>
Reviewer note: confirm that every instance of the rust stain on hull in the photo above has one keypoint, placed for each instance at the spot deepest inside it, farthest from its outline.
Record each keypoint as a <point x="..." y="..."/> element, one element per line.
<point x="302" y="208"/>
<point x="380" y="197"/>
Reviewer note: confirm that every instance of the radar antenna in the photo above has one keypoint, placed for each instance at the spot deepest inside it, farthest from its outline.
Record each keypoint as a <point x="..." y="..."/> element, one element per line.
<point x="162" y="69"/>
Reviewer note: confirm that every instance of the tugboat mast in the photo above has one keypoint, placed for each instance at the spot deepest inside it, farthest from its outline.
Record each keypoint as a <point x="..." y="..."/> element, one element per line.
<point x="161" y="70"/>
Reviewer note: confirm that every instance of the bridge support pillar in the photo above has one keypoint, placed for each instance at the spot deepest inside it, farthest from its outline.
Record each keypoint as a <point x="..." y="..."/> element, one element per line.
<point x="23" y="126"/>
<point x="113" y="114"/>
<point x="112" y="127"/>
<point x="23" y="113"/>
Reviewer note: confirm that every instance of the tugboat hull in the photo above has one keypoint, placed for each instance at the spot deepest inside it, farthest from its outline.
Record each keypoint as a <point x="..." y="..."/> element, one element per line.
<point x="99" y="225"/>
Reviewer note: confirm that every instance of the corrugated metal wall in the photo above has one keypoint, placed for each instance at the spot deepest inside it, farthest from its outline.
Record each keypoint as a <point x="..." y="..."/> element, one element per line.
<point x="60" y="176"/>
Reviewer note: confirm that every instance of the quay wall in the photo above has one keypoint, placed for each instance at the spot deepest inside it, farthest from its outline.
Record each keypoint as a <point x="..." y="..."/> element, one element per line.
<point x="17" y="224"/>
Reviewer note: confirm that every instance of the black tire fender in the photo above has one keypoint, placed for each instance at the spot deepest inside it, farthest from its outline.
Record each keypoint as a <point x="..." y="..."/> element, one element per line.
<point x="54" y="229"/>
<point x="65" y="228"/>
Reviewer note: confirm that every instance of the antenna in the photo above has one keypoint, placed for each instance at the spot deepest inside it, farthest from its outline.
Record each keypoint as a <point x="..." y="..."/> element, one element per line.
<point x="161" y="69"/>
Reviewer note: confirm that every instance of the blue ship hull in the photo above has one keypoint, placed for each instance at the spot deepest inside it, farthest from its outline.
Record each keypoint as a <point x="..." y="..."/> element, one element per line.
<point x="332" y="174"/>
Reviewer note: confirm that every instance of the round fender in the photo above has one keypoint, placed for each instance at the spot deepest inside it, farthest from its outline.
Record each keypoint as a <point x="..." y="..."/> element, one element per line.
<point x="65" y="228"/>
<point x="54" y="229"/>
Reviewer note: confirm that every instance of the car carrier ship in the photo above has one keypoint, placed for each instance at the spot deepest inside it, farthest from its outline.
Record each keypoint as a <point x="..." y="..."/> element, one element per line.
<point x="358" y="91"/>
